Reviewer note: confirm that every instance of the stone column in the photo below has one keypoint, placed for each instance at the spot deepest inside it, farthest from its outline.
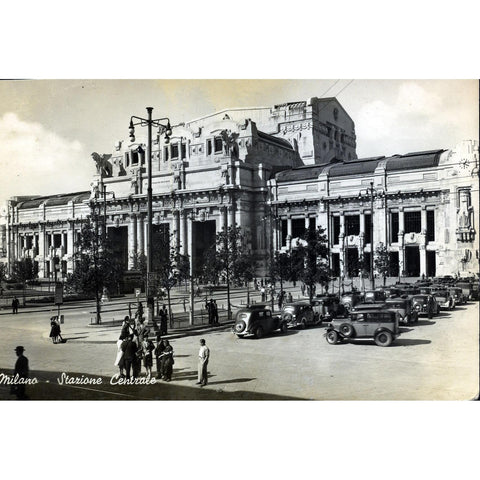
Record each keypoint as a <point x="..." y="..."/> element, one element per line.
<point x="189" y="249"/>
<point x="341" y="245"/>
<point x="132" y="240"/>
<point x="41" y="251"/>
<point x="289" y="226"/>
<point x="307" y="222"/>
<point x="176" y="228"/>
<point x="401" y="240"/>
<point x="141" y="233"/>
<point x="183" y="232"/>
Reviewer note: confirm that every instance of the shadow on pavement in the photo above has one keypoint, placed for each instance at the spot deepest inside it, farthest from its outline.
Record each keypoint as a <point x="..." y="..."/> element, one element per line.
<point x="405" y="342"/>
<point x="48" y="388"/>
<point x="425" y="322"/>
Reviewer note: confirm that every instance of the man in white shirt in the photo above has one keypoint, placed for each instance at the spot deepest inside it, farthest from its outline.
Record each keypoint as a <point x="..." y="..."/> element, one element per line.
<point x="203" y="356"/>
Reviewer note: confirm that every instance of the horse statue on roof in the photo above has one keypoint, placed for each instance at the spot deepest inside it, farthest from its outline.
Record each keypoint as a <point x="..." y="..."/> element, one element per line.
<point x="104" y="167"/>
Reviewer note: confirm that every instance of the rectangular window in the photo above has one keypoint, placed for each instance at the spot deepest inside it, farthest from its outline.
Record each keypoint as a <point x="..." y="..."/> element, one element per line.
<point x="312" y="222"/>
<point x="218" y="145"/>
<point x="57" y="240"/>
<point x="174" y="150"/>
<point x="127" y="159"/>
<point x="64" y="268"/>
<point x="65" y="241"/>
<point x="298" y="227"/>
<point x="134" y="158"/>
<point x="430" y="225"/>
<point x="413" y="222"/>
<point x="209" y="147"/>
<point x="368" y="228"/>
<point x="336" y="230"/>
<point x="394" y="227"/>
<point x="184" y="151"/>
<point x="352" y="224"/>
<point x="29" y="242"/>
<point x="284" y="233"/>
<point x="165" y="154"/>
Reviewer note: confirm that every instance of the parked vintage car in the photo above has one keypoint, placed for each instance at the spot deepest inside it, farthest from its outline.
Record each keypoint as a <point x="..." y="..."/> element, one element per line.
<point x="299" y="314"/>
<point x="257" y="321"/>
<point x="380" y="324"/>
<point x="425" y="304"/>
<point x="404" y="307"/>
<point x="390" y="291"/>
<point x="443" y="298"/>
<point x="457" y="294"/>
<point x="350" y="299"/>
<point x="328" y="306"/>
<point x="468" y="289"/>
<point x="374" y="296"/>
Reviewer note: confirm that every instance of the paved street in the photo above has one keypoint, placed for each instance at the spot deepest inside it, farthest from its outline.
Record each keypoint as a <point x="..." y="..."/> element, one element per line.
<point x="434" y="360"/>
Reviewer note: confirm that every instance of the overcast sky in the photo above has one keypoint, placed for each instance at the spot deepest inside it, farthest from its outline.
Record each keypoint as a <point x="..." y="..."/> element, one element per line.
<point x="48" y="129"/>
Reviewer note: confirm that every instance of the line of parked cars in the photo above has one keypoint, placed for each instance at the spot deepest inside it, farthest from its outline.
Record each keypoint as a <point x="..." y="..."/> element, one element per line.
<point x="375" y="314"/>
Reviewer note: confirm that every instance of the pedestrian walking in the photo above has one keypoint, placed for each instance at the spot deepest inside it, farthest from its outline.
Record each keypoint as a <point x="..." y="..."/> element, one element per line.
<point x="55" y="331"/>
<point x="209" y="308"/>
<point x="20" y="372"/>
<point x="148" y="347"/>
<point x="168" y="361"/>
<point x="159" y="357"/>
<point x="203" y="357"/>
<point x="15" y="304"/>
<point x="215" y="312"/>
<point x="163" y="320"/>
<point x="119" y="357"/>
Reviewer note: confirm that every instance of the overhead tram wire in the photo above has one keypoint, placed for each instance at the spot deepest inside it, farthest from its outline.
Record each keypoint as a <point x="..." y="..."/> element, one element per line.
<point x="333" y="98"/>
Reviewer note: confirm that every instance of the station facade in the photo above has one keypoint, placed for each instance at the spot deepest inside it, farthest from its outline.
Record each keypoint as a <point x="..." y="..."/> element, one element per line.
<point x="273" y="171"/>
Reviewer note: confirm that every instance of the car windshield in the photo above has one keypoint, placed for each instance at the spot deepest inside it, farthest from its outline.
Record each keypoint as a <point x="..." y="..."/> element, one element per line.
<point x="420" y="298"/>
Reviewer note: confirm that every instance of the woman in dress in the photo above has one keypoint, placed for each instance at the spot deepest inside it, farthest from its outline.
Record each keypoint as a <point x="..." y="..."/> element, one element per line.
<point x="148" y="348"/>
<point x="168" y="361"/>
<point x="119" y="358"/>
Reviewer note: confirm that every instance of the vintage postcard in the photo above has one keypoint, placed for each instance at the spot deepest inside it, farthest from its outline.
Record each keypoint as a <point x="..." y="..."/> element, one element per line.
<point x="239" y="239"/>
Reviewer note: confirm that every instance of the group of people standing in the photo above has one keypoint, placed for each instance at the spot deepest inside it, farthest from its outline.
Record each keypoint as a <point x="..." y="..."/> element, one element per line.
<point x="212" y="309"/>
<point x="134" y="347"/>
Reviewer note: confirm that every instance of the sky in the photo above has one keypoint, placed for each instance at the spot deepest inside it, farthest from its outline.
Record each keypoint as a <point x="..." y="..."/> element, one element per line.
<point x="49" y="128"/>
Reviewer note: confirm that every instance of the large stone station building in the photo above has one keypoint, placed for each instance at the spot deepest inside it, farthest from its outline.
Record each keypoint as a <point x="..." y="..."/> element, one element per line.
<point x="273" y="172"/>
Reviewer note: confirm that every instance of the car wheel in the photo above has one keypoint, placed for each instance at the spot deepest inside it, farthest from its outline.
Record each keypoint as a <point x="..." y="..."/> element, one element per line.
<point x="332" y="337"/>
<point x="303" y="321"/>
<point x="283" y="327"/>
<point x="240" y="326"/>
<point x="259" y="332"/>
<point x="346" y="330"/>
<point x="415" y="317"/>
<point x="383" y="339"/>
<point x="438" y="310"/>
<point x="430" y="314"/>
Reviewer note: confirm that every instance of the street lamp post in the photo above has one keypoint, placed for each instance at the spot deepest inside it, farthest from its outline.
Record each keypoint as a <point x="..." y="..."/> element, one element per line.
<point x="162" y="129"/>
<point x="372" y="192"/>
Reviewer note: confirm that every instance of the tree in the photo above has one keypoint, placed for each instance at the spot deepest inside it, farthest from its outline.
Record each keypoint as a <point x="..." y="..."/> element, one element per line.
<point x="3" y="271"/>
<point x="229" y="255"/>
<point x="24" y="270"/>
<point x="229" y="260"/>
<point x="281" y="268"/>
<point x="96" y="266"/>
<point x="310" y="259"/>
<point x="382" y="262"/>
<point x="169" y="267"/>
